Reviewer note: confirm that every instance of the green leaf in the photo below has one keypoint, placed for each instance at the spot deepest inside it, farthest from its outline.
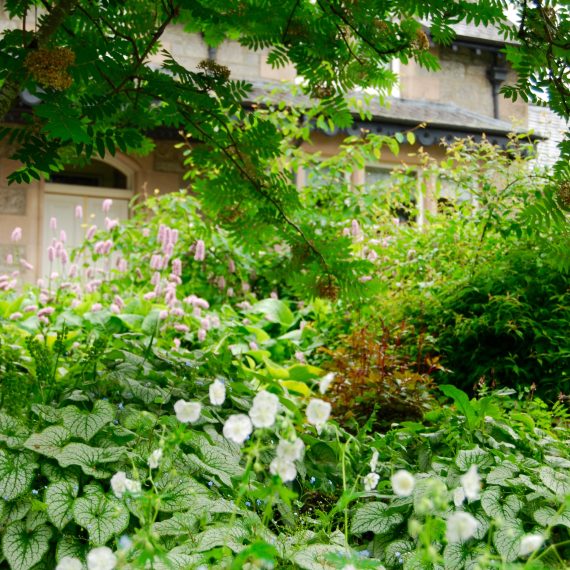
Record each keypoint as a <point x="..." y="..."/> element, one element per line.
<point x="501" y="474"/>
<point x="12" y="432"/>
<point x="180" y="524"/>
<point x="462" y="402"/>
<point x="85" y="425"/>
<point x="476" y="456"/>
<point x="455" y="555"/>
<point x="88" y="457"/>
<point x="179" y="493"/>
<point x="103" y="517"/>
<point x="70" y="546"/>
<point x="16" y="474"/>
<point x="556" y="481"/>
<point x="275" y="311"/>
<point x="507" y="539"/>
<point x="24" y="547"/>
<point x="48" y="442"/>
<point x="497" y="507"/>
<point x="376" y="518"/>
<point x="314" y="557"/>
<point x="232" y="536"/>
<point x="59" y="499"/>
<point x="546" y="516"/>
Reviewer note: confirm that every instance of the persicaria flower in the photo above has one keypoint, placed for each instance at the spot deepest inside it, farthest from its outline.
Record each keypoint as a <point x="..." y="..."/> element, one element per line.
<point x="187" y="412"/>
<point x="69" y="563"/>
<point x="106" y="206"/>
<point x="202" y="335"/>
<point x="111" y="224"/>
<point x="403" y="483"/>
<point x="318" y="412"/>
<point x="90" y="233"/>
<point x="154" y="458"/>
<point x="471" y="483"/>
<point x="461" y="526"/>
<point x="62" y="236"/>
<point x="95" y="307"/>
<point x="45" y="311"/>
<point x="370" y="481"/>
<point x="200" y="250"/>
<point x="53" y="223"/>
<point x="101" y="558"/>
<point x="79" y="212"/>
<point x="9" y="259"/>
<point x="51" y="253"/>
<point x="264" y="409"/>
<point x="237" y="428"/>
<point x="16" y="234"/>
<point x="181" y="328"/>
<point x="217" y="393"/>
<point x="177" y="267"/>
<point x="26" y="264"/>
<point x="15" y="316"/>
<point x="530" y="543"/>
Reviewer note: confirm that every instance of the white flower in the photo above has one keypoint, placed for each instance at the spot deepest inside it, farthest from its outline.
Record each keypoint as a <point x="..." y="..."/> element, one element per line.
<point x="461" y="526"/>
<point x="133" y="487"/>
<point x="101" y="558"/>
<point x="264" y="409"/>
<point x="69" y="563"/>
<point x="471" y="483"/>
<point x="237" y="428"/>
<point x="403" y="483"/>
<point x="318" y="412"/>
<point x="285" y="469"/>
<point x="290" y="450"/>
<point x="119" y="483"/>
<point x="458" y="496"/>
<point x="217" y="393"/>
<point x="349" y="567"/>
<point x="374" y="460"/>
<point x="530" y="543"/>
<point x="326" y="381"/>
<point x="370" y="481"/>
<point x="187" y="412"/>
<point x="154" y="458"/>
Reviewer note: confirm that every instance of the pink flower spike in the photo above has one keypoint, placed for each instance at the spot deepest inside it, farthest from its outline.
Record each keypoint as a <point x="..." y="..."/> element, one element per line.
<point x="174" y="237"/>
<point x="200" y="251"/>
<point x="15" y="316"/>
<point x="150" y="295"/>
<point x="95" y="307"/>
<point x="110" y="224"/>
<point x="115" y="309"/>
<point x="72" y="271"/>
<point x="30" y="309"/>
<point x="90" y="233"/>
<point x="46" y="311"/>
<point x="26" y="265"/>
<point x="64" y="257"/>
<point x="9" y="259"/>
<point x="106" y="207"/>
<point x="231" y="266"/>
<point x="62" y="236"/>
<point x="161" y="233"/>
<point x="122" y="265"/>
<point x="16" y="234"/>
<point x="177" y="267"/>
<point x="181" y="328"/>
<point x="79" y="212"/>
<point x="145" y="232"/>
<point x="53" y="224"/>
<point x="163" y="315"/>
<point x="201" y="335"/>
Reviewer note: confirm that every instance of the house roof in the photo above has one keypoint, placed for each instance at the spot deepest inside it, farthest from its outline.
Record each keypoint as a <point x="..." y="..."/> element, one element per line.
<point x="442" y="120"/>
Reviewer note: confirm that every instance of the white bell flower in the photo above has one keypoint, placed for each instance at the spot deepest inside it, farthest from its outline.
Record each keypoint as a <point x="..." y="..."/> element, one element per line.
<point x="154" y="458"/>
<point x="471" y="483"/>
<point x="133" y="487"/>
<point x="318" y="412"/>
<point x="458" y="496"/>
<point x="530" y="543"/>
<point x="403" y="483"/>
<point x="461" y="526"/>
<point x="264" y="409"/>
<point x="69" y="563"/>
<point x="119" y="483"/>
<point x="285" y="469"/>
<point x="237" y="428"/>
<point x="187" y="412"/>
<point x="326" y="381"/>
<point x="370" y="481"/>
<point x="217" y="393"/>
<point x="290" y="450"/>
<point x="101" y="558"/>
<point x="374" y="460"/>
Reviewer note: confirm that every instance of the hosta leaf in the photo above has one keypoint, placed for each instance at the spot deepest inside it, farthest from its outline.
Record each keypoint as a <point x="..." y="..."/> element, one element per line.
<point x="501" y="474"/>
<point x="16" y="474"/>
<point x="59" y="499"/>
<point x="476" y="456"/>
<point x="546" y="516"/>
<point x="178" y="524"/>
<point x="178" y="493"/>
<point x="496" y="506"/>
<point x="88" y="457"/>
<point x="507" y="539"/>
<point x="84" y="424"/>
<point x="314" y="557"/>
<point x="48" y="442"/>
<point x="376" y="518"/>
<point x="24" y="547"/>
<point x="103" y="517"/>
<point x="555" y="481"/>
<point x="12" y="432"/>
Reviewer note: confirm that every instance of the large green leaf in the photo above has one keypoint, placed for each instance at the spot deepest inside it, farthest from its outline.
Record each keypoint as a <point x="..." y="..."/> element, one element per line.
<point x="48" y="442"/>
<point x="501" y="474"/>
<point x="84" y="424"/>
<point x="507" y="539"/>
<point x="12" y="432"/>
<point x="232" y="536"/>
<point x="556" y="481"/>
<point x="180" y="524"/>
<point x="59" y="499"/>
<point x="103" y="517"/>
<point x="462" y="402"/>
<point x="16" y="474"/>
<point x="547" y="516"/>
<point x="275" y="311"/>
<point x="24" y="547"/>
<point x="88" y="457"/>
<point x="180" y="493"/>
<point x="314" y="557"/>
<point x="498" y="507"/>
<point x="476" y="456"/>
<point x="376" y="518"/>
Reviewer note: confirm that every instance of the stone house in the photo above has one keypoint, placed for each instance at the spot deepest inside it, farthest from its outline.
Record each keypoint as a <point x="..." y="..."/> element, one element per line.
<point x="460" y="100"/>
